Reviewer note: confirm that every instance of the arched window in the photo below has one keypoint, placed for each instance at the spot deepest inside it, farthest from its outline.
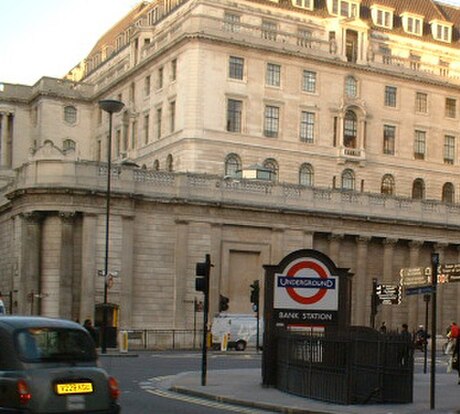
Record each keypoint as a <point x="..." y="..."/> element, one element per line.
<point x="348" y="180"/>
<point x="448" y="193"/>
<point x="68" y="144"/>
<point x="418" y="189"/>
<point x="351" y="87"/>
<point x="388" y="185"/>
<point x="70" y="114"/>
<point x="272" y="165"/>
<point x="232" y="165"/>
<point x="169" y="163"/>
<point x="306" y="175"/>
<point x="156" y="165"/>
<point x="350" y="129"/>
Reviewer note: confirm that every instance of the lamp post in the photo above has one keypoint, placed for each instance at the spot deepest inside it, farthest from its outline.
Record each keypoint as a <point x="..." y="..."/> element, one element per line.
<point x="110" y="106"/>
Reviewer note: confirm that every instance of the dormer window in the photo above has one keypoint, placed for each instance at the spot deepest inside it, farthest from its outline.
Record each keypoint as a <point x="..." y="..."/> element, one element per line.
<point x="344" y="8"/>
<point x="412" y="24"/>
<point x="441" y="30"/>
<point x="303" y="4"/>
<point x="382" y="17"/>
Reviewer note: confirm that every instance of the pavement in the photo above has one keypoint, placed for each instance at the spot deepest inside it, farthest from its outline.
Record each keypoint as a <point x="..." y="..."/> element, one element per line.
<point x="243" y="387"/>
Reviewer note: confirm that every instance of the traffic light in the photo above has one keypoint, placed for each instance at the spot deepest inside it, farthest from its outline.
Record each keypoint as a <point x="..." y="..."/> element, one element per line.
<point x="254" y="297"/>
<point x="202" y="275"/>
<point x="223" y="303"/>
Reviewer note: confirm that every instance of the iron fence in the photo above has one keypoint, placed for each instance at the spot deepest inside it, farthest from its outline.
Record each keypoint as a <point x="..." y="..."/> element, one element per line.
<point x="346" y="369"/>
<point x="161" y="339"/>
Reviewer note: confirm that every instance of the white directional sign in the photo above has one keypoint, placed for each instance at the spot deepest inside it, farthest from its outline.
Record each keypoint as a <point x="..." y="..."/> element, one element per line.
<point x="389" y="294"/>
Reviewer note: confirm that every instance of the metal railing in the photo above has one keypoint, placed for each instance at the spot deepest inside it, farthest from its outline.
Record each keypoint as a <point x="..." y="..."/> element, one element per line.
<point x="346" y="369"/>
<point x="161" y="339"/>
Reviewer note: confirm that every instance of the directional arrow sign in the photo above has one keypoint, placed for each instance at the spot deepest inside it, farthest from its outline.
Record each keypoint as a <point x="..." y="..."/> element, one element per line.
<point x="450" y="272"/>
<point x="415" y="276"/>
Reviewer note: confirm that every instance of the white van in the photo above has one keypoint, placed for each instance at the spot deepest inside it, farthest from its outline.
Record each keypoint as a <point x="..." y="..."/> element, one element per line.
<point x="241" y="330"/>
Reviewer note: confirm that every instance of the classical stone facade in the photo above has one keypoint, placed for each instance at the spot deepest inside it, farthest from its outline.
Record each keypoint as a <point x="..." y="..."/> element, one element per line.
<point x="350" y="109"/>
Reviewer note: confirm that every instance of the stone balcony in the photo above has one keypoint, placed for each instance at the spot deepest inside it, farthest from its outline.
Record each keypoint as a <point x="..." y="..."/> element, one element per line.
<point x="91" y="178"/>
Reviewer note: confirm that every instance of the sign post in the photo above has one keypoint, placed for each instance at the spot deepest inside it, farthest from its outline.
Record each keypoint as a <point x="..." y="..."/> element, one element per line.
<point x="434" y="265"/>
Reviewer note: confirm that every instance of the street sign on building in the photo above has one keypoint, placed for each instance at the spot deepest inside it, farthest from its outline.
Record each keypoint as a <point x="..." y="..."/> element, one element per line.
<point x="389" y="294"/>
<point x="449" y="273"/>
<point x="415" y="276"/>
<point x="418" y="290"/>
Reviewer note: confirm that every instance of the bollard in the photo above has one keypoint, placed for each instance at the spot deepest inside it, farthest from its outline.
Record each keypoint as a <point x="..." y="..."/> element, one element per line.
<point x="224" y="343"/>
<point x="123" y="341"/>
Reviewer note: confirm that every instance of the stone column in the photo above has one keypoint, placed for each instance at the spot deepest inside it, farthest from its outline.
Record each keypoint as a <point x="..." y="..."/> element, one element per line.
<point x="126" y="273"/>
<point x="334" y="247"/>
<point x="308" y="239"/>
<point x="66" y="272"/>
<point x="88" y="267"/>
<point x="180" y="285"/>
<point x="30" y="276"/>
<point x="362" y="284"/>
<point x="415" y="304"/>
<point x="277" y="245"/>
<point x="389" y="278"/>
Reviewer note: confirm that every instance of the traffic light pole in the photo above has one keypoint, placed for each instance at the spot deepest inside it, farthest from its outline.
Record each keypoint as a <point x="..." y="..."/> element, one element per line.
<point x="434" y="282"/>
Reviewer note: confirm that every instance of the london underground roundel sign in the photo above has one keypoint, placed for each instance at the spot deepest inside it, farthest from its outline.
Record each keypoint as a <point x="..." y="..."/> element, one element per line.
<point x="306" y="283"/>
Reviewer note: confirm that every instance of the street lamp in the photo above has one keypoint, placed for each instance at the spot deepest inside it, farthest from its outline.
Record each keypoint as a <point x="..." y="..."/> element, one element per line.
<point x="110" y="106"/>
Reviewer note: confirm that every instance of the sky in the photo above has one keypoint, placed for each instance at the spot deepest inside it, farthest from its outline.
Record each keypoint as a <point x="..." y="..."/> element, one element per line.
<point x="49" y="37"/>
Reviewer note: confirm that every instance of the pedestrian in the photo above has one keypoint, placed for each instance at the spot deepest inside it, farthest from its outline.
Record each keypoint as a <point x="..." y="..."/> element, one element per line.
<point x="454" y="335"/>
<point x="421" y="338"/>
<point x="406" y="345"/>
<point x="383" y="328"/>
<point x="90" y="328"/>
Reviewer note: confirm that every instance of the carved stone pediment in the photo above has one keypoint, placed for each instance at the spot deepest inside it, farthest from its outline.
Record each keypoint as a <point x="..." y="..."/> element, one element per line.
<point x="49" y="151"/>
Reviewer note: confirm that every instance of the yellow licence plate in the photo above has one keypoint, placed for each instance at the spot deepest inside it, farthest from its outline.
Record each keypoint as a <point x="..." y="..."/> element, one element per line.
<point x="74" y="388"/>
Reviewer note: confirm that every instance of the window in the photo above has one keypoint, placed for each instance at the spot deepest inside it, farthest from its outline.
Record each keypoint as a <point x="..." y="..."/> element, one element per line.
<point x="70" y="114"/>
<point x="412" y="24"/>
<point x="173" y="70"/>
<point x="390" y="96"/>
<point x="441" y="31"/>
<point x="419" y="145"/>
<point x="232" y="22"/>
<point x="350" y="129"/>
<point x="273" y="74"/>
<point x="132" y="92"/>
<point x="117" y="142"/>
<point x="172" y="116"/>
<point x="418" y="189"/>
<point x="351" y="87"/>
<point x="448" y="193"/>
<point x="147" y="86"/>
<point x="169" y="163"/>
<point x="271" y="121"/>
<point x="272" y="165"/>
<point x="389" y="135"/>
<point x="345" y="8"/>
<point x="232" y="165"/>
<point x="156" y="165"/>
<point x="451" y="108"/>
<point x="306" y="175"/>
<point x="268" y="30"/>
<point x="160" y="78"/>
<point x="348" y="180"/>
<point x="235" y="68"/>
<point x="388" y="185"/>
<point x="146" y="129"/>
<point x="421" y="100"/>
<point x="449" y="149"/>
<point x="68" y="144"/>
<point x="303" y="4"/>
<point x="134" y="133"/>
<point x="234" y="110"/>
<point x="307" y="127"/>
<point x="381" y="17"/>
<point x="159" y="116"/>
<point x="309" y="81"/>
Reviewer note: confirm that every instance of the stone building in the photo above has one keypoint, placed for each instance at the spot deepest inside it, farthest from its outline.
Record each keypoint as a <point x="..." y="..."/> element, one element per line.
<point x="251" y="128"/>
